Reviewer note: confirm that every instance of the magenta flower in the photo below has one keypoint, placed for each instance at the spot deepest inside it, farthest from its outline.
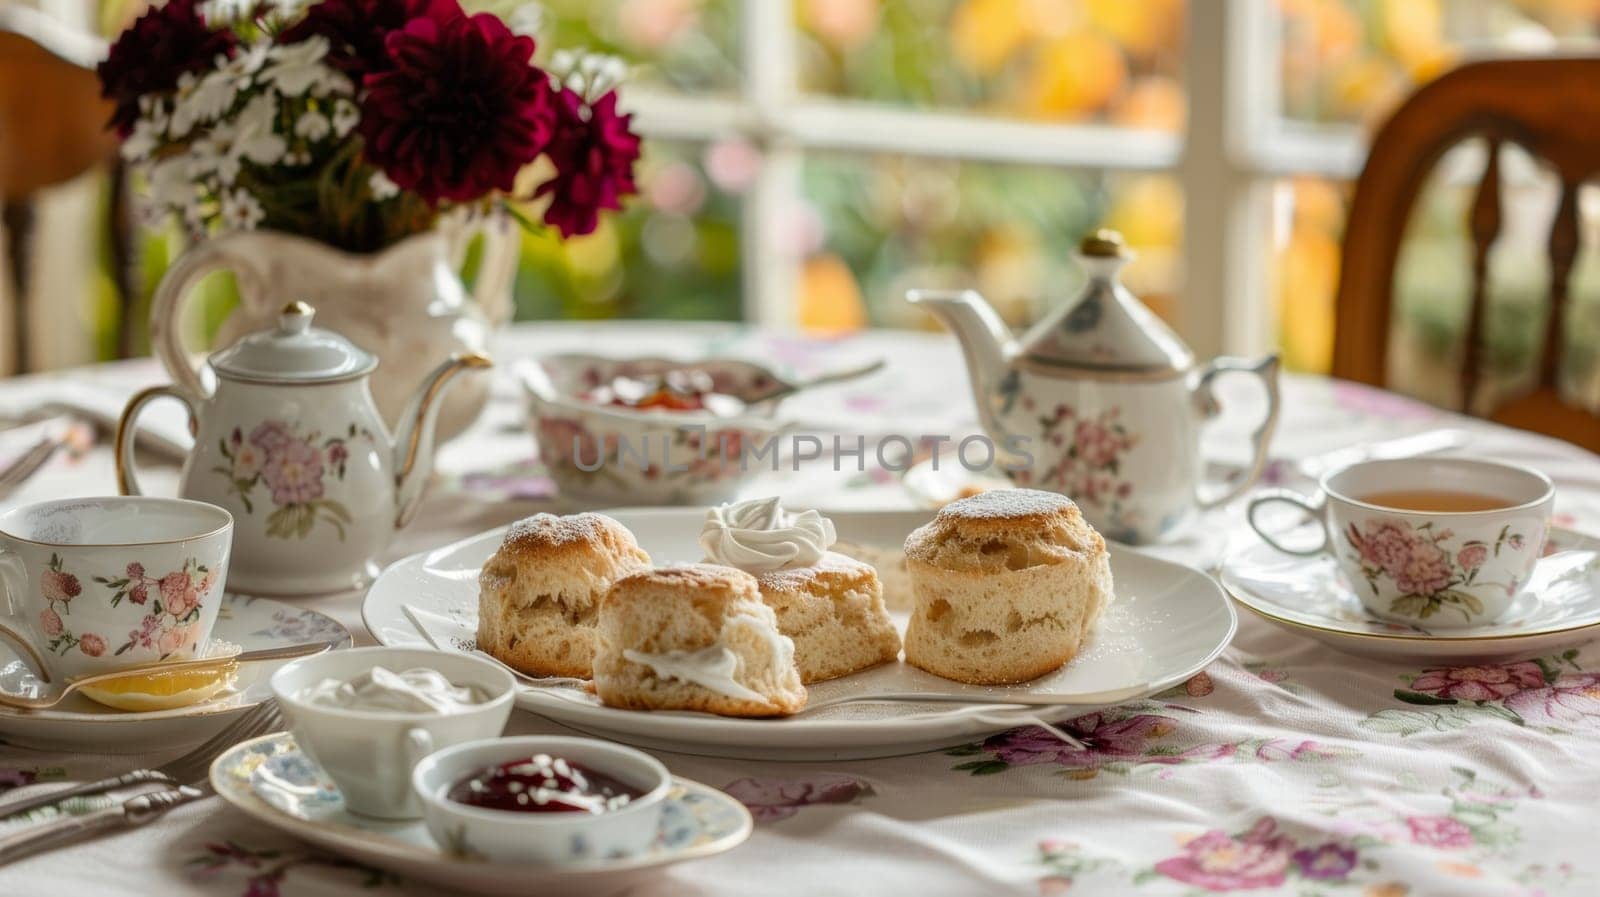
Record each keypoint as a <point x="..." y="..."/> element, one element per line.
<point x="1490" y="682"/>
<point x="1327" y="862"/>
<point x="1569" y="700"/>
<point x="594" y="151"/>
<point x="356" y="29"/>
<point x="154" y="52"/>
<point x="1217" y="861"/>
<point x="294" y="473"/>
<point x="1472" y="556"/>
<point x="92" y="645"/>
<point x="1105" y="741"/>
<point x="773" y="799"/>
<point x="1439" y="831"/>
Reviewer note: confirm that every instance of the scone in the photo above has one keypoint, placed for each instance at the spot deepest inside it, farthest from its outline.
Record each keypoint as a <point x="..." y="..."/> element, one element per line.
<point x="833" y="610"/>
<point x="891" y="566"/>
<point x="1008" y="585"/>
<point x="538" y="595"/>
<point x="694" y="637"/>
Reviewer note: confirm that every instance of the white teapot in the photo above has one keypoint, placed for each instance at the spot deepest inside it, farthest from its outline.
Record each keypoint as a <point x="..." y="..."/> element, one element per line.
<point x="292" y="444"/>
<point x="1100" y="401"/>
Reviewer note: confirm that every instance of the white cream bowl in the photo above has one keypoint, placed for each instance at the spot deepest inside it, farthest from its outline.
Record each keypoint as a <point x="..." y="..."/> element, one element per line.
<point x="505" y="836"/>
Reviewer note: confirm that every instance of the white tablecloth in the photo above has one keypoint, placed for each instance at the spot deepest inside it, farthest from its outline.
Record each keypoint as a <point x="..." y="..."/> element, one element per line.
<point x="1286" y="768"/>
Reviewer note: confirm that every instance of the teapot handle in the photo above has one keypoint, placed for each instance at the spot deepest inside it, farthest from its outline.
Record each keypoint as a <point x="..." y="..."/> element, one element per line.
<point x="1260" y="438"/>
<point x="166" y="307"/>
<point x="122" y="453"/>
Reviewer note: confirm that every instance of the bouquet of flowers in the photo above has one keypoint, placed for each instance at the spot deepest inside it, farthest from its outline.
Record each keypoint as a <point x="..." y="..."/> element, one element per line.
<point x="358" y="122"/>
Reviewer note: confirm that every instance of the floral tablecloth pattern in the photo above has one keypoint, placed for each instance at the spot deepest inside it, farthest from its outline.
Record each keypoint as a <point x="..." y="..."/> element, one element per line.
<point x="1287" y="768"/>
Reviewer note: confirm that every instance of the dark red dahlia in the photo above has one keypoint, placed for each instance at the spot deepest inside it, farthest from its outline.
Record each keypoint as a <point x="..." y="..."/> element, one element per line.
<point x="149" y="57"/>
<point x="356" y="29"/>
<point x="593" y="151"/>
<point x="461" y="111"/>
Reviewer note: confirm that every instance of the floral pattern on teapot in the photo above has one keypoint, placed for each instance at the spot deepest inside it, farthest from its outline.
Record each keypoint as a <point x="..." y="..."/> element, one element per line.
<point x="294" y="469"/>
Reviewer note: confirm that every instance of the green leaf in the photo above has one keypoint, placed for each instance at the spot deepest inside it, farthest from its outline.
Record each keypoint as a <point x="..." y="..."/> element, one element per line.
<point x="983" y="767"/>
<point x="1410" y="722"/>
<point x="1417" y="697"/>
<point x="1469" y="601"/>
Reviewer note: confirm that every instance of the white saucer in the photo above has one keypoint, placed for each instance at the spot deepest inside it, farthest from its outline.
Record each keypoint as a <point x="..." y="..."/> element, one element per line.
<point x="79" y="724"/>
<point x="1167" y="623"/>
<point x="1559" y="607"/>
<point x="270" y="780"/>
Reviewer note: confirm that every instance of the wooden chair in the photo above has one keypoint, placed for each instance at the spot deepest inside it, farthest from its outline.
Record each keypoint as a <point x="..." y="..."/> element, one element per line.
<point x="53" y="129"/>
<point x="1550" y="107"/>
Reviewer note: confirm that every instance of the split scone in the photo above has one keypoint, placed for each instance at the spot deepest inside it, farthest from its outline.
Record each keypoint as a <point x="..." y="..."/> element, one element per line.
<point x="829" y="604"/>
<point x="694" y="637"/>
<point x="1008" y="585"/>
<point x="538" y="595"/>
<point x="891" y="566"/>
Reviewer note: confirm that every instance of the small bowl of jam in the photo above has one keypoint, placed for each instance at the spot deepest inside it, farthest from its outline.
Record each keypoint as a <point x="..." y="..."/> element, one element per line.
<point x="542" y="799"/>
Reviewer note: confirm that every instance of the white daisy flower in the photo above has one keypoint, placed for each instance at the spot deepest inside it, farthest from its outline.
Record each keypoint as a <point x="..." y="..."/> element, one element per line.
<point x="249" y="135"/>
<point x="382" y="188"/>
<point x="241" y="210"/>
<point x="589" y="75"/>
<point x="346" y="115"/>
<point x="138" y="145"/>
<point x="313" y="125"/>
<point x="526" y="19"/>
<point x="296" y="69"/>
<point x="213" y="96"/>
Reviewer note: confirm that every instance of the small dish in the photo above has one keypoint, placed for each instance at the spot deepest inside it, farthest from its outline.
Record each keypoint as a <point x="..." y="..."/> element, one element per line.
<point x="78" y="724"/>
<point x="667" y="457"/>
<point x="370" y="753"/>
<point x="271" y="781"/>
<point x="545" y="838"/>
<point x="1560" y="606"/>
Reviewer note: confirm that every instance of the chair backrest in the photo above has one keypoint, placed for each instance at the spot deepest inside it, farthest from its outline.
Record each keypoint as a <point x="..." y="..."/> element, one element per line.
<point x="52" y="118"/>
<point x="1550" y="107"/>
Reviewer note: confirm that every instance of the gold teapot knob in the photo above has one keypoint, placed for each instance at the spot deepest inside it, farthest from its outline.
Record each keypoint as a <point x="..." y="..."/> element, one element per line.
<point x="1103" y="243"/>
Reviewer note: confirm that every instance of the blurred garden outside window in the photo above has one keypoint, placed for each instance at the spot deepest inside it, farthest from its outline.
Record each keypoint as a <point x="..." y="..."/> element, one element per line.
<point x="808" y="160"/>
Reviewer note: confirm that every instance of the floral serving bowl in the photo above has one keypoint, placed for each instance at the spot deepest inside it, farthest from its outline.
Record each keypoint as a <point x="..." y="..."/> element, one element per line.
<point x="543" y="838"/>
<point x="607" y="454"/>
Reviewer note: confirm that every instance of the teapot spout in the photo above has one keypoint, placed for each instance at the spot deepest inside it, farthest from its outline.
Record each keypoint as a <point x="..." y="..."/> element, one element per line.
<point x="986" y="342"/>
<point x="413" y="444"/>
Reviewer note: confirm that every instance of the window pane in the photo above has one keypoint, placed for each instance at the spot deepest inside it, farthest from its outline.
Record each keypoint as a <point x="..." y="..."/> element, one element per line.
<point x="1433" y="280"/>
<point x="874" y="226"/>
<point x="685" y="45"/>
<point x="1352" y="60"/>
<point x="1114" y="61"/>
<point x="673" y="252"/>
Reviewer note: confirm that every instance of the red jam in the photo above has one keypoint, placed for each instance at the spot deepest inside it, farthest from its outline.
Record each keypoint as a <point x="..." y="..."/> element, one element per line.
<point x="683" y="390"/>
<point x="543" y="784"/>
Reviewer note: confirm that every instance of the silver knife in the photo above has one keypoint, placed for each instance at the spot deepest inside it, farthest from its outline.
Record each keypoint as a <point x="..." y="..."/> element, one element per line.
<point x="134" y="811"/>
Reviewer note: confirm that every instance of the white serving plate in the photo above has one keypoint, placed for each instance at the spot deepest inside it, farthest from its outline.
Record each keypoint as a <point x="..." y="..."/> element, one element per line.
<point x="1559" y="607"/>
<point x="79" y="724"/>
<point x="1167" y="623"/>
<point x="268" y="779"/>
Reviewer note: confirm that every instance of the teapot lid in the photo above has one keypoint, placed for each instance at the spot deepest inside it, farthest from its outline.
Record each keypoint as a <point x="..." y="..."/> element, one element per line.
<point x="294" y="351"/>
<point x="1106" y="328"/>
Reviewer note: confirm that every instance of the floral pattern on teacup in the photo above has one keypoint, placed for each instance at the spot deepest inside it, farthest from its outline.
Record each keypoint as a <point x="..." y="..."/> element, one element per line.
<point x="294" y="468"/>
<point x="1422" y="566"/>
<point x="174" y="601"/>
<point x="59" y="588"/>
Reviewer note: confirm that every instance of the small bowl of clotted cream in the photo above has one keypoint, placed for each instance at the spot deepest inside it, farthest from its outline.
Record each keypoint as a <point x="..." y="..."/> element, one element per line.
<point x="367" y="716"/>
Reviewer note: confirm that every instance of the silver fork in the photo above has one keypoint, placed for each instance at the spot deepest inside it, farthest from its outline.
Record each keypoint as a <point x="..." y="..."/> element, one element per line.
<point x="188" y="769"/>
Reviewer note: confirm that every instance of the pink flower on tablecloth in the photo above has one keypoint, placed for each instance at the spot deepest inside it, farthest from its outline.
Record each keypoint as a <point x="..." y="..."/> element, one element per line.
<point x="1569" y="700"/>
<point x="294" y="473"/>
<point x="92" y="645"/>
<point x="1104" y="741"/>
<point x="1217" y="861"/>
<point x="1472" y="555"/>
<point x="1489" y="682"/>
<point x="50" y="622"/>
<point x="178" y="594"/>
<point x="59" y="586"/>
<point x="1326" y="862"/>
<point x="774" y="799"/>
<point x="1439" y="831"/>
<point x="1275" y="749"/>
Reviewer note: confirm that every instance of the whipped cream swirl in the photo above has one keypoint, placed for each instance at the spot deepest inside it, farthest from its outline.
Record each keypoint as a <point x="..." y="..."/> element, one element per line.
<point x="759" y="535"/>
<point x="417" y="690"/>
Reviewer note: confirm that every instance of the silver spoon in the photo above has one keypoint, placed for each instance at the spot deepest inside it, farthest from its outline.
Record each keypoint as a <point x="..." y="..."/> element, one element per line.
<point x="37" y="694"/>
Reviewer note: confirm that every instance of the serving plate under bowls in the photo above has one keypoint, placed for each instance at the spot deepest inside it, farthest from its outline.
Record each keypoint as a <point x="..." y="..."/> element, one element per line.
<point x="1167" y="623"/>
<point x="79" y="724"/>
<point x="270" y="780"/>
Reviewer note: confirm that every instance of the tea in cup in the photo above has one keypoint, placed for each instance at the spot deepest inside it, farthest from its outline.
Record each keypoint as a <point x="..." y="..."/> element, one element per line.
<point x="1435" y="542"/>
<point x="95" y="585"/>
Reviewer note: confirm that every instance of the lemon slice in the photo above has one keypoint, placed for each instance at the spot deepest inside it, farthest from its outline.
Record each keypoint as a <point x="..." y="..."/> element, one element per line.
<point x="163" y="690"/>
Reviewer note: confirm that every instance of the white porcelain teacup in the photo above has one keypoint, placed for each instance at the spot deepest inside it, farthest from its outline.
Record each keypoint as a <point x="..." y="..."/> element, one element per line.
<point x="370" y="754"/>
<point x="1437" y="542"/>
<point x="94" y="585"/>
